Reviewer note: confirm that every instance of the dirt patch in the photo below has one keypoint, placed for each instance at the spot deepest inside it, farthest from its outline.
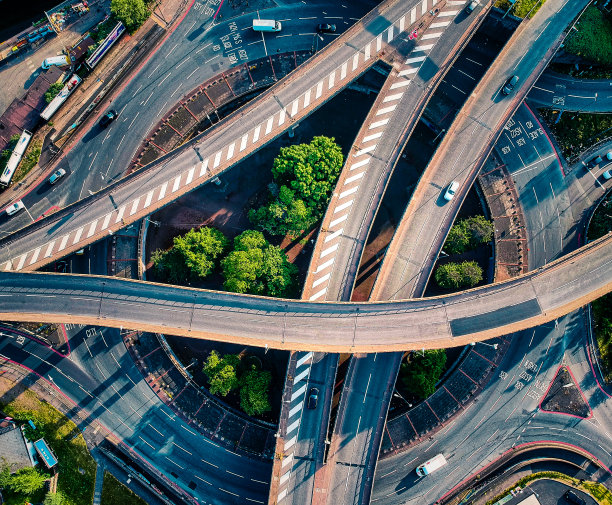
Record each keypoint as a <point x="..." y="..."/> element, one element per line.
<point x="564" y="396"/>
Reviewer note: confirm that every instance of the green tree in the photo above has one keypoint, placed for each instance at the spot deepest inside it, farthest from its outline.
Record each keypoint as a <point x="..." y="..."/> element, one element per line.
<point x="55" y="499"/>
<point x="458" y="275"/>
<point x="222" y="372"/>
<point x="193" y="256"/>
<point x="311" y="170"/>
<point x="27" y="481"/>
<point x="284" y="215"/>
<point x="53" y="91"/>
<point x="5" y="475"/>
<point x="254" y="390"/>
<point x="257" y="267"/>
<point x="468" y="234"/>
<point x="422" y="372"/>
<point x="132" y="13"/>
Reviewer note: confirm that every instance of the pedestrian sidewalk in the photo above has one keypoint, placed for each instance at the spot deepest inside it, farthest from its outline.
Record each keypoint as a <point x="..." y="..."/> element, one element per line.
<point x="98" y="486"/>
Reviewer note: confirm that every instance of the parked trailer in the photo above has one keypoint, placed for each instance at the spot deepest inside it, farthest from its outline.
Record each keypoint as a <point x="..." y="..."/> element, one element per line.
<point x="438" y="461"/>
<point x="16" y="155"/>
<point x="69" y="87"/>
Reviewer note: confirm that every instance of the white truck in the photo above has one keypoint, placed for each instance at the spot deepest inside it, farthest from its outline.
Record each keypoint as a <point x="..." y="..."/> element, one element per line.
<point x="438" y="461"/>
<point x="267" y="25"/>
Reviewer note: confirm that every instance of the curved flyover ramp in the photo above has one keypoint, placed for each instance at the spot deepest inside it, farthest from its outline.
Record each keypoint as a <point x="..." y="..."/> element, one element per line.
<point x="478" y="314"/>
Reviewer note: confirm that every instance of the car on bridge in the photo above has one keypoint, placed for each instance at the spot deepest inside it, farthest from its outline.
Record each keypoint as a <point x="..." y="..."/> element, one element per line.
<point x="510" y="85"/>
<point x="451" y="190"/>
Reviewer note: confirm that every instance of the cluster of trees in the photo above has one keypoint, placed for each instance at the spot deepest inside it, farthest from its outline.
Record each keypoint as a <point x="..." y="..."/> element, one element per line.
<point x="229" y="373"/>
<point x="422" y="370"/>
<point x="253" y="266"/>
<point x="53" y="91"/>
<point x="304" y="178"/>
<point x="132" y="13"/>
<point x="458" y="275"/>
<point x="468" y="234"/>
<point x="24" y="482"/>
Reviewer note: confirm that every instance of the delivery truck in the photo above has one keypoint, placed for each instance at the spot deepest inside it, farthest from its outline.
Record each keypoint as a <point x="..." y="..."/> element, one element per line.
<point x="267" y="25"/>
<point x="431" y="465"/>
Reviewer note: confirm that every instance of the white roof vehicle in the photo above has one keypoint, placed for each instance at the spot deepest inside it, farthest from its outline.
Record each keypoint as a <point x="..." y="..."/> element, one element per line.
<point x="14" y="208"/>
<point x="451" y="190"/>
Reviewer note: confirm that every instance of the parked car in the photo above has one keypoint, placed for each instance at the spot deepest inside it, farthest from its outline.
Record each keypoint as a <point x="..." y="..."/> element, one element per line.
<point x="451" y="190"/>
<point x="469" y="8"/>
<point x="607" y="175"/>
<point x="14" y="208"/>
<point x="510" y="84"/>
<point x="108" y="118"/>
<point x="572" y="497"/>
<point x="313" y="398"/>
<point x="57" y="175"/>
<point x="326" y="28"/>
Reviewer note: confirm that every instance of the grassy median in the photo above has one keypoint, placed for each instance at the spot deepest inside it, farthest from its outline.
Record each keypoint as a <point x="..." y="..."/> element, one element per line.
<point x="115" y="493"/>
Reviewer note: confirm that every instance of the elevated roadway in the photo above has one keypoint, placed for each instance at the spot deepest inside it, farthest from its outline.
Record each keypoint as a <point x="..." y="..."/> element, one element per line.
<point x="198" y="161"/>
<point x="530" y="300"/>
<point x="411" y="256"/>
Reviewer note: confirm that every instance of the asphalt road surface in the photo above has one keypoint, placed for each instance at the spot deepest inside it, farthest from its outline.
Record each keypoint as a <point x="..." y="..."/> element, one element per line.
<point x="101" y="378"/>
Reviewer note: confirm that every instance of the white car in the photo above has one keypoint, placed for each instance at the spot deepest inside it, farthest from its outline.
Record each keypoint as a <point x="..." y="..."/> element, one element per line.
<point x="14" y="208"/>
<point x="451" y="190"/>
<point x="607" y="175"/>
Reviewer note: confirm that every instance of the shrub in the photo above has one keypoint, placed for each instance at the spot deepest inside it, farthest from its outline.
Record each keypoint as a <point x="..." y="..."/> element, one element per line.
<point x="53" y="91"/>
<point x="421" y="373"/>
<point x="458" y="275"/>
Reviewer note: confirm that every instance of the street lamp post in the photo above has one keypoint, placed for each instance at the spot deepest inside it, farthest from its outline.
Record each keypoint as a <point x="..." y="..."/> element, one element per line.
<point x="494" y="346"/>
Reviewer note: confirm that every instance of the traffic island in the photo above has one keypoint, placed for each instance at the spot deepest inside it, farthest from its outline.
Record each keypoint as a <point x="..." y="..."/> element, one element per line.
<point x="565" y="397"/>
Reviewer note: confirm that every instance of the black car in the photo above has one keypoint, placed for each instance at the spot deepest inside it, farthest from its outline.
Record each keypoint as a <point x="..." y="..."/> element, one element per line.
<point x="510" y="84"/>
<point x="313" y="398"/>
<point x="108" y="118"/>
<point x="572" y="497"/>
<point x="326" y="28"/>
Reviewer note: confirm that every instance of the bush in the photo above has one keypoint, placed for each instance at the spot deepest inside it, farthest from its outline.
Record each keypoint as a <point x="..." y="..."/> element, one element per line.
<point x="132" y="13"/>
<point x="29" y="160"/>
<point x="53" y="91"/>
<point x="192" y="257"/>
<point x="257" y="267"/>
<point x="458" y="275"/>
<point x="421" y="373"/>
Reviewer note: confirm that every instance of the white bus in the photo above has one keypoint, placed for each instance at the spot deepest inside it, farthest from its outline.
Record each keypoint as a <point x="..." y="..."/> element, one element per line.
<point x="16" y="155"/>
<point x="61" y="97"/>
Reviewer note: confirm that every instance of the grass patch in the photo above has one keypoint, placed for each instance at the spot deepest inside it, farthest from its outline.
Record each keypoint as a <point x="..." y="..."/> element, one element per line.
<point x="65" y="441"/>
<point x="601" y="224"/>
<point x="522" y="7"/>
<point x="29" y="160"/>
<point x="575" y="132"/>
<point x="593" y="38"/>
<point x="596" y="490"/>
<point x="115" y="493"/>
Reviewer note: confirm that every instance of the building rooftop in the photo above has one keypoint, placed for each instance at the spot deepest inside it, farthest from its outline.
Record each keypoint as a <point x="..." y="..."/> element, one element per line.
<point x="13" y="450"/>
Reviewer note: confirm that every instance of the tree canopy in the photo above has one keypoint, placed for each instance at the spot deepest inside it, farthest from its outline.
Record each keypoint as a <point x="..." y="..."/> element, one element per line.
<point x="467" y="234"/>
<point x="193" y="256"/>
<point x="257" y="267"/>
<point x="254" y="390"/>
<point x="25" y="481"/>
<point x="132" y="13"/>
<point x="458" y="275"/>
<point x="306" y="175"/>
<point x="422" y="372"/>
<point x="222" y="372"/>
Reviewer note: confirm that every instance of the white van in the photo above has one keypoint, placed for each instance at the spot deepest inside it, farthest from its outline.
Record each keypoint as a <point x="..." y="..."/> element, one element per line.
<point x="58" y="61"/>
<point x="266" y="25"/>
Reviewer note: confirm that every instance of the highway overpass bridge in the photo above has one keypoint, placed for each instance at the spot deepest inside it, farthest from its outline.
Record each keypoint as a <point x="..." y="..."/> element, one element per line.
<point x="478" y="314"/>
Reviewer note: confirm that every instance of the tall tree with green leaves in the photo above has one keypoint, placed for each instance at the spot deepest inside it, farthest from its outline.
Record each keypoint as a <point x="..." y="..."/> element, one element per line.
<point x="222" y="373"/>
<point x="421" y="373"/>
<point x="27" y="481"/>
<point x="458" y="275"/>
<point x="254" y="391"/>
<point x="311" y="170"/>
<point x="467" y="234"/>
<point x="257" y="267"/>
<point x="193" y="256"/>
<point x="132" y="13"/>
